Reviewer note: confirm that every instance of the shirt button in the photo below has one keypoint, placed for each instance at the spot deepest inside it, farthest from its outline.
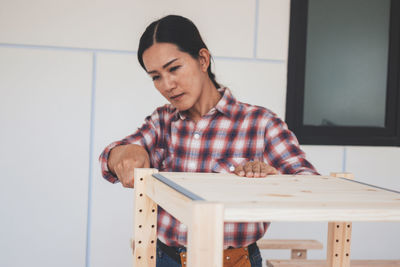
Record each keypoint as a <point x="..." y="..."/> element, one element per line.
<point x="196" y="136"/>
<point x="231" y="168"/>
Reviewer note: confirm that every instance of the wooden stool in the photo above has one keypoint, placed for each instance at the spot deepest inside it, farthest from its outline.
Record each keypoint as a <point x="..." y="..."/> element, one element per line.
<point x="298" y="248"/>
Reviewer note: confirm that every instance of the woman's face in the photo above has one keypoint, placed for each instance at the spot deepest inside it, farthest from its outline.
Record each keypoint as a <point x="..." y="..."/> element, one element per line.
<point x="177" y="76"/>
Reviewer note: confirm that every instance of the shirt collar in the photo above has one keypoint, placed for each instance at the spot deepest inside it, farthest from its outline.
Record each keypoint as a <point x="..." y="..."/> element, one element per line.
<point x="224" y="105"/>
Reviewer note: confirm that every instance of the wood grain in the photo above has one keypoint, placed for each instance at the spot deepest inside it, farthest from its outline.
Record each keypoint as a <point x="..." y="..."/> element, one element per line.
<point x="206" y="235"/>
<point x="169" y="199"/>
<point x="289" y="244"/>
<point x="292" y="197"/>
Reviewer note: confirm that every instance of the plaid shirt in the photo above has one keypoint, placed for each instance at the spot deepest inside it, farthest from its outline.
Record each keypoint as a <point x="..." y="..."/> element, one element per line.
<point x="231" y="133"/>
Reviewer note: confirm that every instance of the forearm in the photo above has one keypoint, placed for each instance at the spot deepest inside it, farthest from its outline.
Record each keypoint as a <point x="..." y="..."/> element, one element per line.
<point x="284" y="152"/>
<point x="298" y="165"/>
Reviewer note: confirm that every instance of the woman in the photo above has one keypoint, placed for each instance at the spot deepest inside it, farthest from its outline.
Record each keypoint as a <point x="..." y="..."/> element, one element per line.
<point x="203" y="129"/>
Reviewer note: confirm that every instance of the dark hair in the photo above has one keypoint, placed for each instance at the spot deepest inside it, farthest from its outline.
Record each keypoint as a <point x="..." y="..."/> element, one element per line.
<point x="176" y="30"/>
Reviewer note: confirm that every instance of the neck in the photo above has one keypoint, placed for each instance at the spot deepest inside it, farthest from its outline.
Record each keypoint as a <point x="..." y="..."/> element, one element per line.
<point x="208" y="99"/>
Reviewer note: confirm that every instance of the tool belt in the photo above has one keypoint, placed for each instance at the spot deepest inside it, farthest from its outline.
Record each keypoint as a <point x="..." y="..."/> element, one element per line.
<point x="233" y="257"/>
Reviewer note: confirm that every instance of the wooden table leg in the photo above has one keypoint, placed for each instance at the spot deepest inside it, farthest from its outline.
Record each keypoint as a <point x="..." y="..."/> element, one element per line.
<point x="206" y="235"/>
<point x="145" y="225"/>
<point x="339" y="238"/>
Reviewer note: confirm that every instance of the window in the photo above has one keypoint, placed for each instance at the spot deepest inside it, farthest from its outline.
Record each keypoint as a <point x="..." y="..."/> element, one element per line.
<point x="343" y="72"/>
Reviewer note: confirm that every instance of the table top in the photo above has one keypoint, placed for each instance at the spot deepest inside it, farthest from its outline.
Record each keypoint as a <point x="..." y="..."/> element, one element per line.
<point x="288" y="197"/>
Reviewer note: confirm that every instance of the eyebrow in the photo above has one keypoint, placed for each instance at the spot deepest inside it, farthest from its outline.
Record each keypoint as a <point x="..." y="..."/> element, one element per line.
<point x="164" y="66"/>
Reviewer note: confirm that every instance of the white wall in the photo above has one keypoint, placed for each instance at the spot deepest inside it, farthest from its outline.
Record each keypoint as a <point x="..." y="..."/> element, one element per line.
<point x="70" y="84"/>
<point x="45" y="129"/>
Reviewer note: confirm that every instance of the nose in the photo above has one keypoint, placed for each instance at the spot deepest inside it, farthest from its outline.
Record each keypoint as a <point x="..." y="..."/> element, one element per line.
<point x="169" y="83"/>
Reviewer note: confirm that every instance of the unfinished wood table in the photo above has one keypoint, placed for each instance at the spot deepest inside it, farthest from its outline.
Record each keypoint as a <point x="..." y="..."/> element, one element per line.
<point x="204" y="201"/>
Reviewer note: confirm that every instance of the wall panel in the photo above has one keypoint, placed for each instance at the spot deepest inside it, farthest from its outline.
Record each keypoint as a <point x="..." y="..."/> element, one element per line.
<point x="255" y="82"/>
<point x="125" y="95"/>
<point x="45" y="123"/>
<point x="273" y="29"/>
<point x="377" y="166"/>
<point x="118" y="25"/>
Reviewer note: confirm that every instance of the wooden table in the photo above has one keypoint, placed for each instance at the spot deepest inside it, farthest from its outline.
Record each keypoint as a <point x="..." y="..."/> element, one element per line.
<point x="204" y="201"/>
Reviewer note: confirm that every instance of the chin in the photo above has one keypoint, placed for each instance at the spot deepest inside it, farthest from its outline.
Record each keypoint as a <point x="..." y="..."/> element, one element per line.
<point x="181" y="106"/>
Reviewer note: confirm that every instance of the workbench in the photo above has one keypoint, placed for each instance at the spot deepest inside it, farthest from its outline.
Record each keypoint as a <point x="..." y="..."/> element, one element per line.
<point x="204" y="201"/>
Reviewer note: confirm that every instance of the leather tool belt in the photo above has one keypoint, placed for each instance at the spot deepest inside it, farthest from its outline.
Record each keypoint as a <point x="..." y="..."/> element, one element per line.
<point x="233" y="257"/>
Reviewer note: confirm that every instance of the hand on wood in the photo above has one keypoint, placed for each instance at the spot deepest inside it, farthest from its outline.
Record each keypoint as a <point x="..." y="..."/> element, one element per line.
<point x="255" y="169"/>
<point x="124" y="159"/>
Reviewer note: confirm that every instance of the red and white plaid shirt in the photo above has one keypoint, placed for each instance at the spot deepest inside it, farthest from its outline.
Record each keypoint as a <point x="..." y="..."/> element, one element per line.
<point x="230" y="134"/>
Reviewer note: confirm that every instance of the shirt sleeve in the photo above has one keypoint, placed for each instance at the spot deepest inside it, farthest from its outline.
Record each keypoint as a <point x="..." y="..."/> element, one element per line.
<point x="145" y="136"/>
<point x="283" y="150"/>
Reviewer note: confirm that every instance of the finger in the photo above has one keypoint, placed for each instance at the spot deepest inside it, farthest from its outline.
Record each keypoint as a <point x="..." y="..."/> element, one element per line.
<point x="119" y="175"/>
<point x="263" y="169"/>
<point x="128" y="183"/>
<point x="248" y="169"/>
<point x="125" y="175"/>
<point x="239" y="170"/>
<point x="146" y="163"/>
<point x="271" y="170"/>
<point x="256" y="168"/>
<point x="124" y="181"/>
<point x="137" y="163"/>
<point x="129" y="169"/>
<point x="128" y="177"/>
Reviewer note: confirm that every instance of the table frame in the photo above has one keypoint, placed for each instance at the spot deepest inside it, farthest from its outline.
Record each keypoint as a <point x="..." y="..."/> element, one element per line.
<point x="201" y="217"/>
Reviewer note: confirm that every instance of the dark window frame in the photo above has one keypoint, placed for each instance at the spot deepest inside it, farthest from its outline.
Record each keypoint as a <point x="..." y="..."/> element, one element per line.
<point x="389" y="135"/>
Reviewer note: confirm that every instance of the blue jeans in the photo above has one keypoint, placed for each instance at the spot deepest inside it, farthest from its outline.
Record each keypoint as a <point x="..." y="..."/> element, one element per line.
<point x="163" y="260"/>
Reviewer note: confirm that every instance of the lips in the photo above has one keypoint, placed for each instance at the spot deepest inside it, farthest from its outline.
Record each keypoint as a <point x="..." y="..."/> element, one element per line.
<point x="176" y="97"/>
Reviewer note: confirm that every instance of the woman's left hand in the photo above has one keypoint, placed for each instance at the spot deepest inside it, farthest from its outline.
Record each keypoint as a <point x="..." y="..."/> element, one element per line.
<point x="255" y="169"/>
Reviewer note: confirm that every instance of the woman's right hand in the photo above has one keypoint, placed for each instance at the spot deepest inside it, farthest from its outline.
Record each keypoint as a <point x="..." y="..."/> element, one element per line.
<point x="255" y="169"/>
<point x="124" y="159"/>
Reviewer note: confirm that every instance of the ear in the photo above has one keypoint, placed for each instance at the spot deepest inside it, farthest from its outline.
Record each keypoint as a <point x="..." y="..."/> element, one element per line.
<point x="204" y="59"/>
